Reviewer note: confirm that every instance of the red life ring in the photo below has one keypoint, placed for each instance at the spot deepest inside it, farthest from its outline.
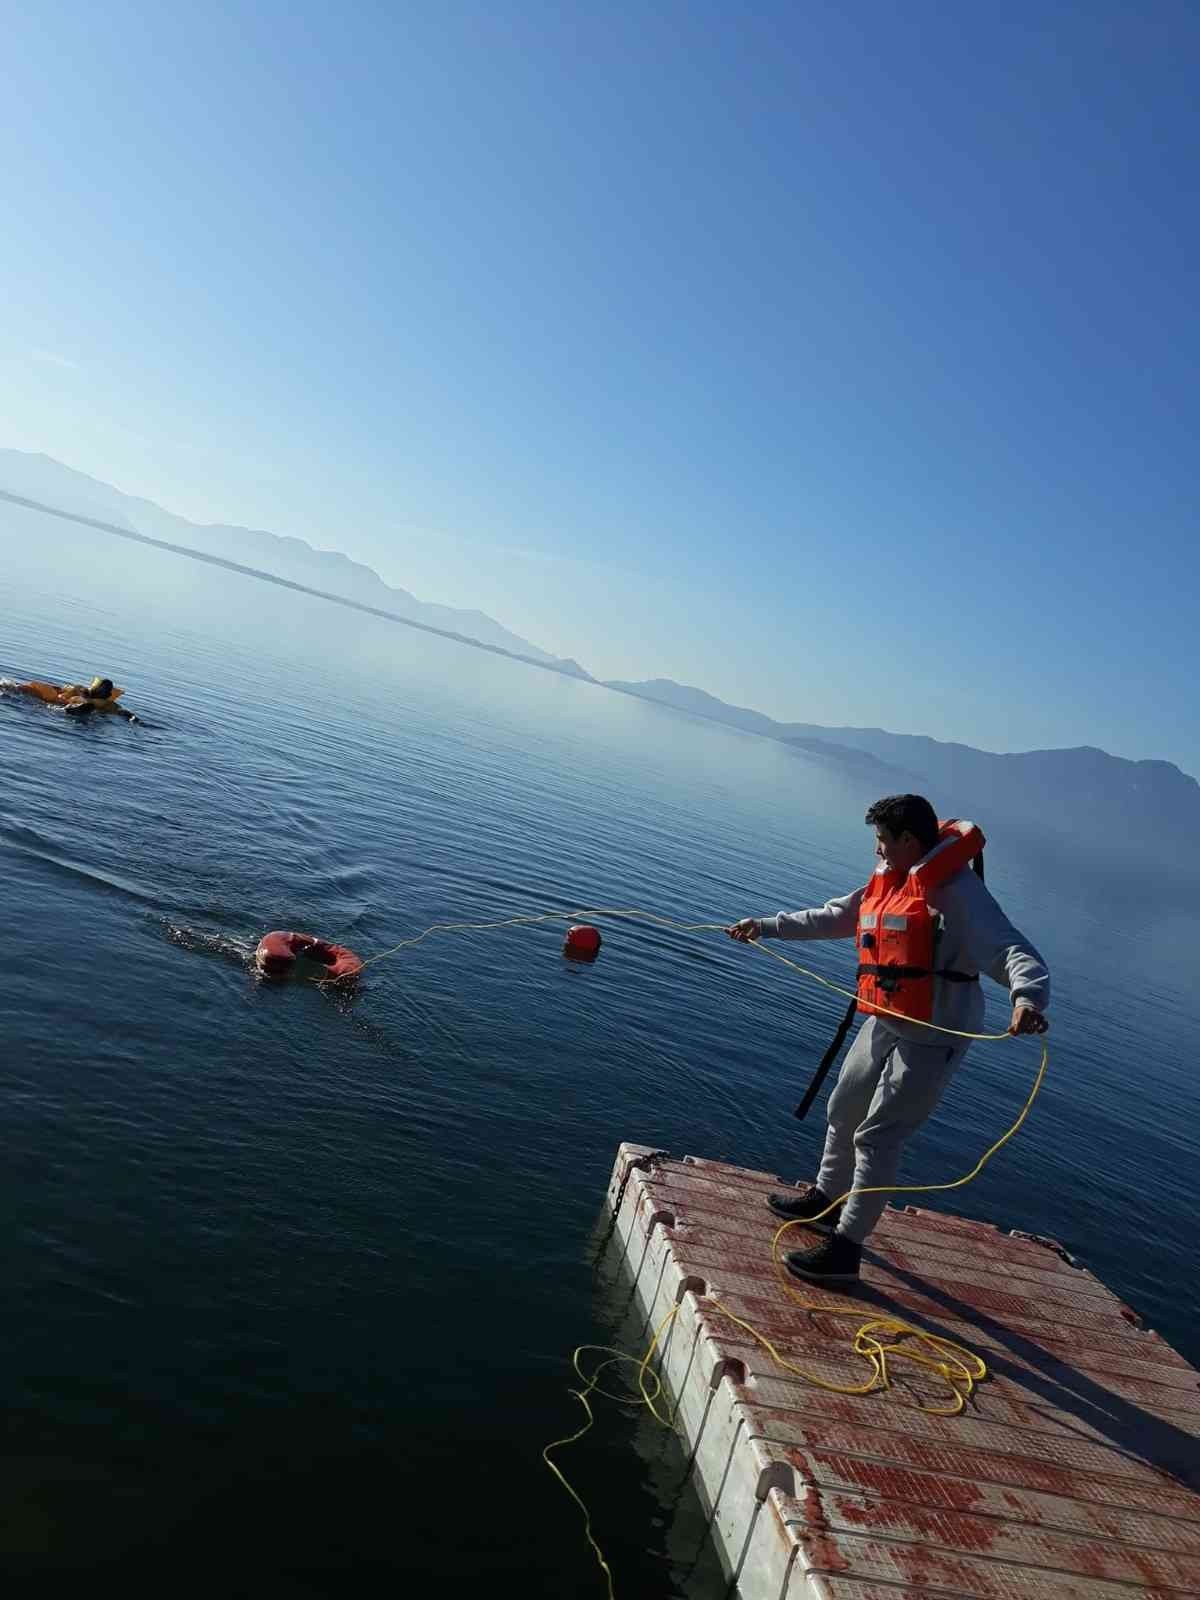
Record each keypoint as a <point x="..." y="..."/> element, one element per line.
<point x="277" y="953"/>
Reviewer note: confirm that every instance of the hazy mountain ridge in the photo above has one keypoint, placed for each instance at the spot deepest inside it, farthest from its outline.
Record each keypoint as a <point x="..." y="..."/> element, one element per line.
<point x="1068" y="790"/>
<point x="40" y="477"/>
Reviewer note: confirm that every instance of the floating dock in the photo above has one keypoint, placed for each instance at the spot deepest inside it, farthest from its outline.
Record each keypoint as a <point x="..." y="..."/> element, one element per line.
<point x="1072" y="1474"/>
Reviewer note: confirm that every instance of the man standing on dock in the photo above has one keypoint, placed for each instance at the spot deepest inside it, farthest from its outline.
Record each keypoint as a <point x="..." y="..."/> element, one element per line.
<point x="926" y="927"/>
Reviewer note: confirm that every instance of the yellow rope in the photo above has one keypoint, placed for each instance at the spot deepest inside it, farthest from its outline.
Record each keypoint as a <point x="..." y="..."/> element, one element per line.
<point x="878" y="1340"/>
<point x="539" y="916"/>
<point x="591" y="1385"/>
<point x="530" y="918"/>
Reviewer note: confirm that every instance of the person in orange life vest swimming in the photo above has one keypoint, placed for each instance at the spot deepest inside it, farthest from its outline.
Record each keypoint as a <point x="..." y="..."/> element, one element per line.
<point x="926" y="928"/>
<point x="78" y="701"/>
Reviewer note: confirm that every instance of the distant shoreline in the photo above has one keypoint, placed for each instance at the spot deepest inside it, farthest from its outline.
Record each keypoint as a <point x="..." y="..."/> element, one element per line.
<point x="1140" y="795"/>
<point x="287" y="583"/>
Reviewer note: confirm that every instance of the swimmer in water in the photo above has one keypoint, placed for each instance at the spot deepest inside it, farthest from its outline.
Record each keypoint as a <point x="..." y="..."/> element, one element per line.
<point x="77" y="700"/>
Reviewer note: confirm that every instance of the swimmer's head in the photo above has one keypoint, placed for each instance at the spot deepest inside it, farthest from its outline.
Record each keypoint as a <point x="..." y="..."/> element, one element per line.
<point x="100" y="689"/>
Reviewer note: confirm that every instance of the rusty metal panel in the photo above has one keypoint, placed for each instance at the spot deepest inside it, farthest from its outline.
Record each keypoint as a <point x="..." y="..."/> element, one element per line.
<point x="737" y="1209"/>
<point x="970" y="1301"/>
<point x="1005" y="1353"/>
<point x="1154" y="1527"/>
<point x="1012" y="1393"/>
<point x="844" y="1517"/>
<point x="1082" y="1469"/>
<point x="754" y="1263"/>
<point x="923" y="1567"/>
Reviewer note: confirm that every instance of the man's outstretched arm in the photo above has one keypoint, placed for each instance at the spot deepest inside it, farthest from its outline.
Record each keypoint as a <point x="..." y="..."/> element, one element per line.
<point x="837" y="919"/>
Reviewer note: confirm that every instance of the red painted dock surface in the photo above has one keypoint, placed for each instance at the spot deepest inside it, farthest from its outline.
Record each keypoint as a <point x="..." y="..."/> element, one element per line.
<point x="1071" y="1475"/>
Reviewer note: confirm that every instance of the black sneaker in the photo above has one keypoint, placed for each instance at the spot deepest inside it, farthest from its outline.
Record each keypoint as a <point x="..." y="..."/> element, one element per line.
<point x="834" y="1260"/>
<point x="802" y="1204"/>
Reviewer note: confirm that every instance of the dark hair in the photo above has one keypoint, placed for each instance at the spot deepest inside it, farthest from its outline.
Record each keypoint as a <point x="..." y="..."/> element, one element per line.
<point x="101" y="689"/>
<point x="906" y="813"/>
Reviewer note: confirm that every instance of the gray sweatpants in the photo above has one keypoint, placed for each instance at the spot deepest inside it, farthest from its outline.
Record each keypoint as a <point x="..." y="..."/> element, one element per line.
<point x="886" y="1089"/>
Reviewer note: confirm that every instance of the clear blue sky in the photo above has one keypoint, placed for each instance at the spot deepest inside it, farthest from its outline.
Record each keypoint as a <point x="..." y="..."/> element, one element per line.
<point x="839" y="358"/>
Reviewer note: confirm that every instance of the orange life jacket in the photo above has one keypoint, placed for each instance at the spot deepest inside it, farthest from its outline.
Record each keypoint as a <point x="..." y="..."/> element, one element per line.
<point x="69" y="694"/>
<point x="897" y="932"/>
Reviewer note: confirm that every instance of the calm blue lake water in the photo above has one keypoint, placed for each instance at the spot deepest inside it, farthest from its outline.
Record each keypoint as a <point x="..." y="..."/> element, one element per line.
<point x="291" y="1283"/>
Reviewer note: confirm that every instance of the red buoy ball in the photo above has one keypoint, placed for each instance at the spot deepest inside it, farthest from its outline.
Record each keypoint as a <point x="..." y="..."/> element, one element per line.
<point x="582" y="942"/>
